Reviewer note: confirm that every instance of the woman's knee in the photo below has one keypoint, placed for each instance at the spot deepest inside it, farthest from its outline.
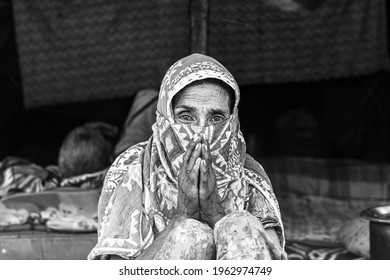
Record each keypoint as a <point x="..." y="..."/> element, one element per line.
<point x="240" y="235"/>
<point x="234" y="219"/>
<point x="190" y="239"/>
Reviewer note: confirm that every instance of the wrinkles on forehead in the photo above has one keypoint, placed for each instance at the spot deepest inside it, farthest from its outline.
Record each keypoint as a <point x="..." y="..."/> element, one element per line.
<point x="223" y="89"/>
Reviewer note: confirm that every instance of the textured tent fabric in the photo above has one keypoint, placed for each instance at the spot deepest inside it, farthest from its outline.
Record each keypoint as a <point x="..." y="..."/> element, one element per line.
<point x="72" y="51"/>
<point x="274" y="41"/>
<point x="80" y="50"/>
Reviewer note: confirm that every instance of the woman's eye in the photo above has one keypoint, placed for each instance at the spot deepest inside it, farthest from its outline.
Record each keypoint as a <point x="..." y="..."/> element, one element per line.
<point x="186" y="118"/>
<point x="217" y="119"/>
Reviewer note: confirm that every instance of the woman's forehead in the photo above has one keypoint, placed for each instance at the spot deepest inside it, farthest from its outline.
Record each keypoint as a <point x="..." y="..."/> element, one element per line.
<point x="206" y="94"/>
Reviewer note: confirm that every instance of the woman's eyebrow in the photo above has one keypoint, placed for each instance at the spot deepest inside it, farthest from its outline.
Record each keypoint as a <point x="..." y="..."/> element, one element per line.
<point x="190" y="108"/>
<point x="211" y="112"/>
<point x="219" y="111"/>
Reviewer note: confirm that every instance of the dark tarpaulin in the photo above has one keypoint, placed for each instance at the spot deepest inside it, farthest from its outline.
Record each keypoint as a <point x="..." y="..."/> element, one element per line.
<point x="81" y="50"/>
<point x="274" y="41"/>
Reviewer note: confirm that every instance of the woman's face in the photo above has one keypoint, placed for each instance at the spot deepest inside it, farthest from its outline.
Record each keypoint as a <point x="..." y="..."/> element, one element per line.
<point x="202" y="105"/>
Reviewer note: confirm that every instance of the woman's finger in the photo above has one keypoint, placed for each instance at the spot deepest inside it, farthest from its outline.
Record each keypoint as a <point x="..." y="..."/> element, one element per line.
<point x="194" y="156"/>
<point x="190" y="148"/>
<point x="204" y="171"/>
<point x="197" y="165"/>
<point x="206" y="154"/>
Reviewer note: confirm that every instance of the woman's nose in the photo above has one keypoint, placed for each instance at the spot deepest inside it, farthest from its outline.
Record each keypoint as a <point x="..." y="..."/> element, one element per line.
<point x="202" y="121"/>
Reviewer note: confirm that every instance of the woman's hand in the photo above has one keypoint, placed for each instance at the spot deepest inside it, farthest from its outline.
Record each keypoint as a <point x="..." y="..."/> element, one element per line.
<point x="211" y="210"/>
<point x="188" y="189"/>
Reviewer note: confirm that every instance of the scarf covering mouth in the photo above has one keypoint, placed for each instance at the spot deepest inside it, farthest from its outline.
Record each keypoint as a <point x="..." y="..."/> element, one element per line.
<point x="140" y="192"/>
<point x="227" y="144"/>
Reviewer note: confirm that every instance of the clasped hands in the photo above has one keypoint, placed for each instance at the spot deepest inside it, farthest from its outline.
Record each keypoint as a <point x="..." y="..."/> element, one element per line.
<point x="197" y="191"/>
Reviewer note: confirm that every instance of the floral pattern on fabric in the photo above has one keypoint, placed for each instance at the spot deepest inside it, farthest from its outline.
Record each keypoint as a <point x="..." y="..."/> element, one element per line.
<point x="237" y="236"/>
<point x="190" y="240"/>
<point x="241" y="236"/>
<point x="262" y="201"/>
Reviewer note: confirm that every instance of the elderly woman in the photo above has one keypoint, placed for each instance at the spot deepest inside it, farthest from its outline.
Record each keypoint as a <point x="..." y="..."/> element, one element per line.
<point x="190" y="191"/>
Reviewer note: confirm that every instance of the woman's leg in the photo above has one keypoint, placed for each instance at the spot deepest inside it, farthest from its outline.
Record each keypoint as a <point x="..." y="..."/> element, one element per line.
<point x="190" y="240"/>
<point x="241" y="236"/>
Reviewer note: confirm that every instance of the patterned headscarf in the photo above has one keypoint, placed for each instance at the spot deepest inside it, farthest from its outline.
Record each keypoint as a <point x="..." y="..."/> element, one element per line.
<point x="140" y="192"/>
<point x="227" y="145"/>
